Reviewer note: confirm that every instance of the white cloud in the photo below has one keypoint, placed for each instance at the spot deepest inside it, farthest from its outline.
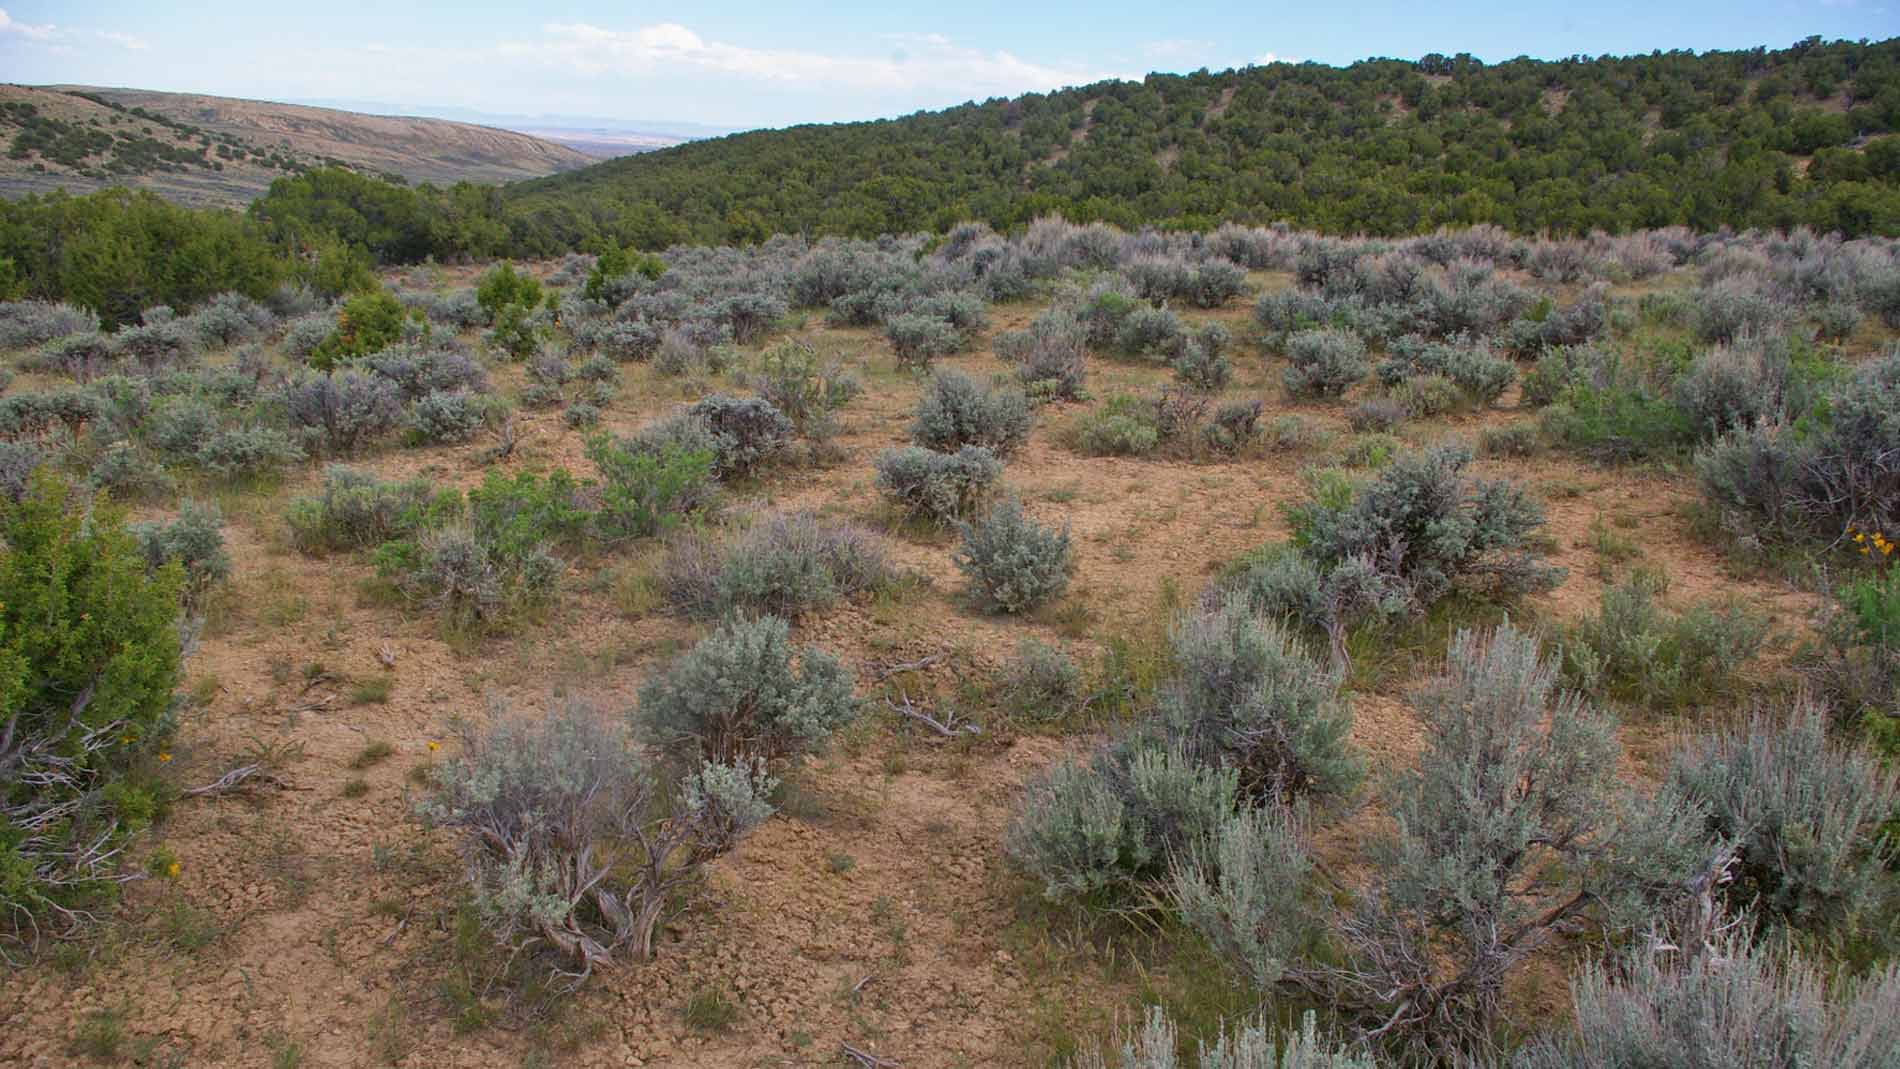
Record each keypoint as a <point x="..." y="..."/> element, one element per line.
<point x="1176" y="48"/>
<point x="924" y="61"/>
<point x="1267" y="59"/>
<point x="25" y="29"/>
<point x="123" y="40"/>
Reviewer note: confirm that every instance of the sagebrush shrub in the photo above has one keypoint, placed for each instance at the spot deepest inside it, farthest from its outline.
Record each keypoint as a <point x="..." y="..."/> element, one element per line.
<point x="957" y="410"/>
<point x="24" y="324"/>
<point x="1735" y="306"/>
<point x="745" y="693"/>
<point x="917" y="339"/>
<point x="786" y="564"/>
<point x="807" y="389"/>
<point x="1243" y="888"/>
<point x="419" y="370"/>
<point x="241" y="453"/>
<point x="1156" y="333"/>
<point x="627" y="340"/>
<point x="1794" y="482"/>
<point x="1323" y="363"/>
<point x="940" y="487"/>
<point x="444" y="417"/>
<point x="230" y="318"/>
<point x="1429" y="528"/>
<point x="1514" y="805"/>
<point x="1247" y="697"/>
<point x="573" y="845"/>
<point x="1480" y="374"/>
<point x="1203" y="368"/>
<point x="342" y="411"/>
<point x="1099" y="829"/>
<point x="356" y="510"/>
<point x="1734" y="1002"/>
<point x="1051" y="356"/>
<point x="749" y="315"/>
<point x="80" y="357"/>
<point x="1013" y="563"/>
<point x="1802" y="812"/>
<point x="1247" y="1044"/>
<point x="194" y="541"/>
<point x="1748" y="383"/>
<point x="747" y="430"/>
<point x="1234" y="426"/>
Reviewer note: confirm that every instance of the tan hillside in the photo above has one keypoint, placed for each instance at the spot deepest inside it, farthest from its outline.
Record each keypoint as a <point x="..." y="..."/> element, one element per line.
<point x="220" y="150"/>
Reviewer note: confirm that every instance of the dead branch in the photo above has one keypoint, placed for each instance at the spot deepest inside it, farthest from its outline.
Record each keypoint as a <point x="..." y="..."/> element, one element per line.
<point x="867" y="1059"/>
<point x="243" y="777"/>
<point x="948" y="727"/>
<point x="885" y="672"/>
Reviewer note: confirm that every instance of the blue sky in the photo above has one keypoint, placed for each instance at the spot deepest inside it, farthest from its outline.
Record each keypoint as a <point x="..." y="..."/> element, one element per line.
<point x="767" y="64"/>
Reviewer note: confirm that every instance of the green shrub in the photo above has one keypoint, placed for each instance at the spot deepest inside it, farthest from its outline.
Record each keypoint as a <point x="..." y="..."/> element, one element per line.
<point x="1122" y="426"/>
<point x="744" y="693"/>
<point x="956" y="410"/>
<point x="940" y="487"/>
<point x="644" y="490"/>
<point x="356" y="511"/>
<point x="1013" y="564"/>
<point x="1632" y="649"/>
<point x="89" y="655"/>
<point x="1040" y="682"/>
<point x="807" y="390"/>
<point x="1617" y="423"/>
<point x="1801" y="811"/>
<point x="367" y="323"/>
<point x="502" y="288"/>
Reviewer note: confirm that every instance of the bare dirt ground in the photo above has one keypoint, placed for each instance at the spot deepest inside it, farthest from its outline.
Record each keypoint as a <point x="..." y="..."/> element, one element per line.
<point x="315" y="925"/>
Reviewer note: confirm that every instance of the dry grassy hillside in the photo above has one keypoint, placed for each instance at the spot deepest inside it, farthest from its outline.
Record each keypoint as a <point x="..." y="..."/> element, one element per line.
<point x="247" y="143"/>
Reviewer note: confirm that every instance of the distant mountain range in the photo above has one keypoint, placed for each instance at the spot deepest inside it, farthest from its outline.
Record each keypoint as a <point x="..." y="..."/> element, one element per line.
<point x="595" y="135"/>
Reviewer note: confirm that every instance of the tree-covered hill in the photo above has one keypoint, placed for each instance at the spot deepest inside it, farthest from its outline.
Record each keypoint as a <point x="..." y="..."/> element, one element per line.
<point x="1748" y="138"/>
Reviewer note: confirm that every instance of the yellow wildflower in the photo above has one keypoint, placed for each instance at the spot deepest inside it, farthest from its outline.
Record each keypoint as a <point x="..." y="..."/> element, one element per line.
<point x="434" y="746"/>
<point x="163" y="756"/>
<point x="171" y="870"/>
